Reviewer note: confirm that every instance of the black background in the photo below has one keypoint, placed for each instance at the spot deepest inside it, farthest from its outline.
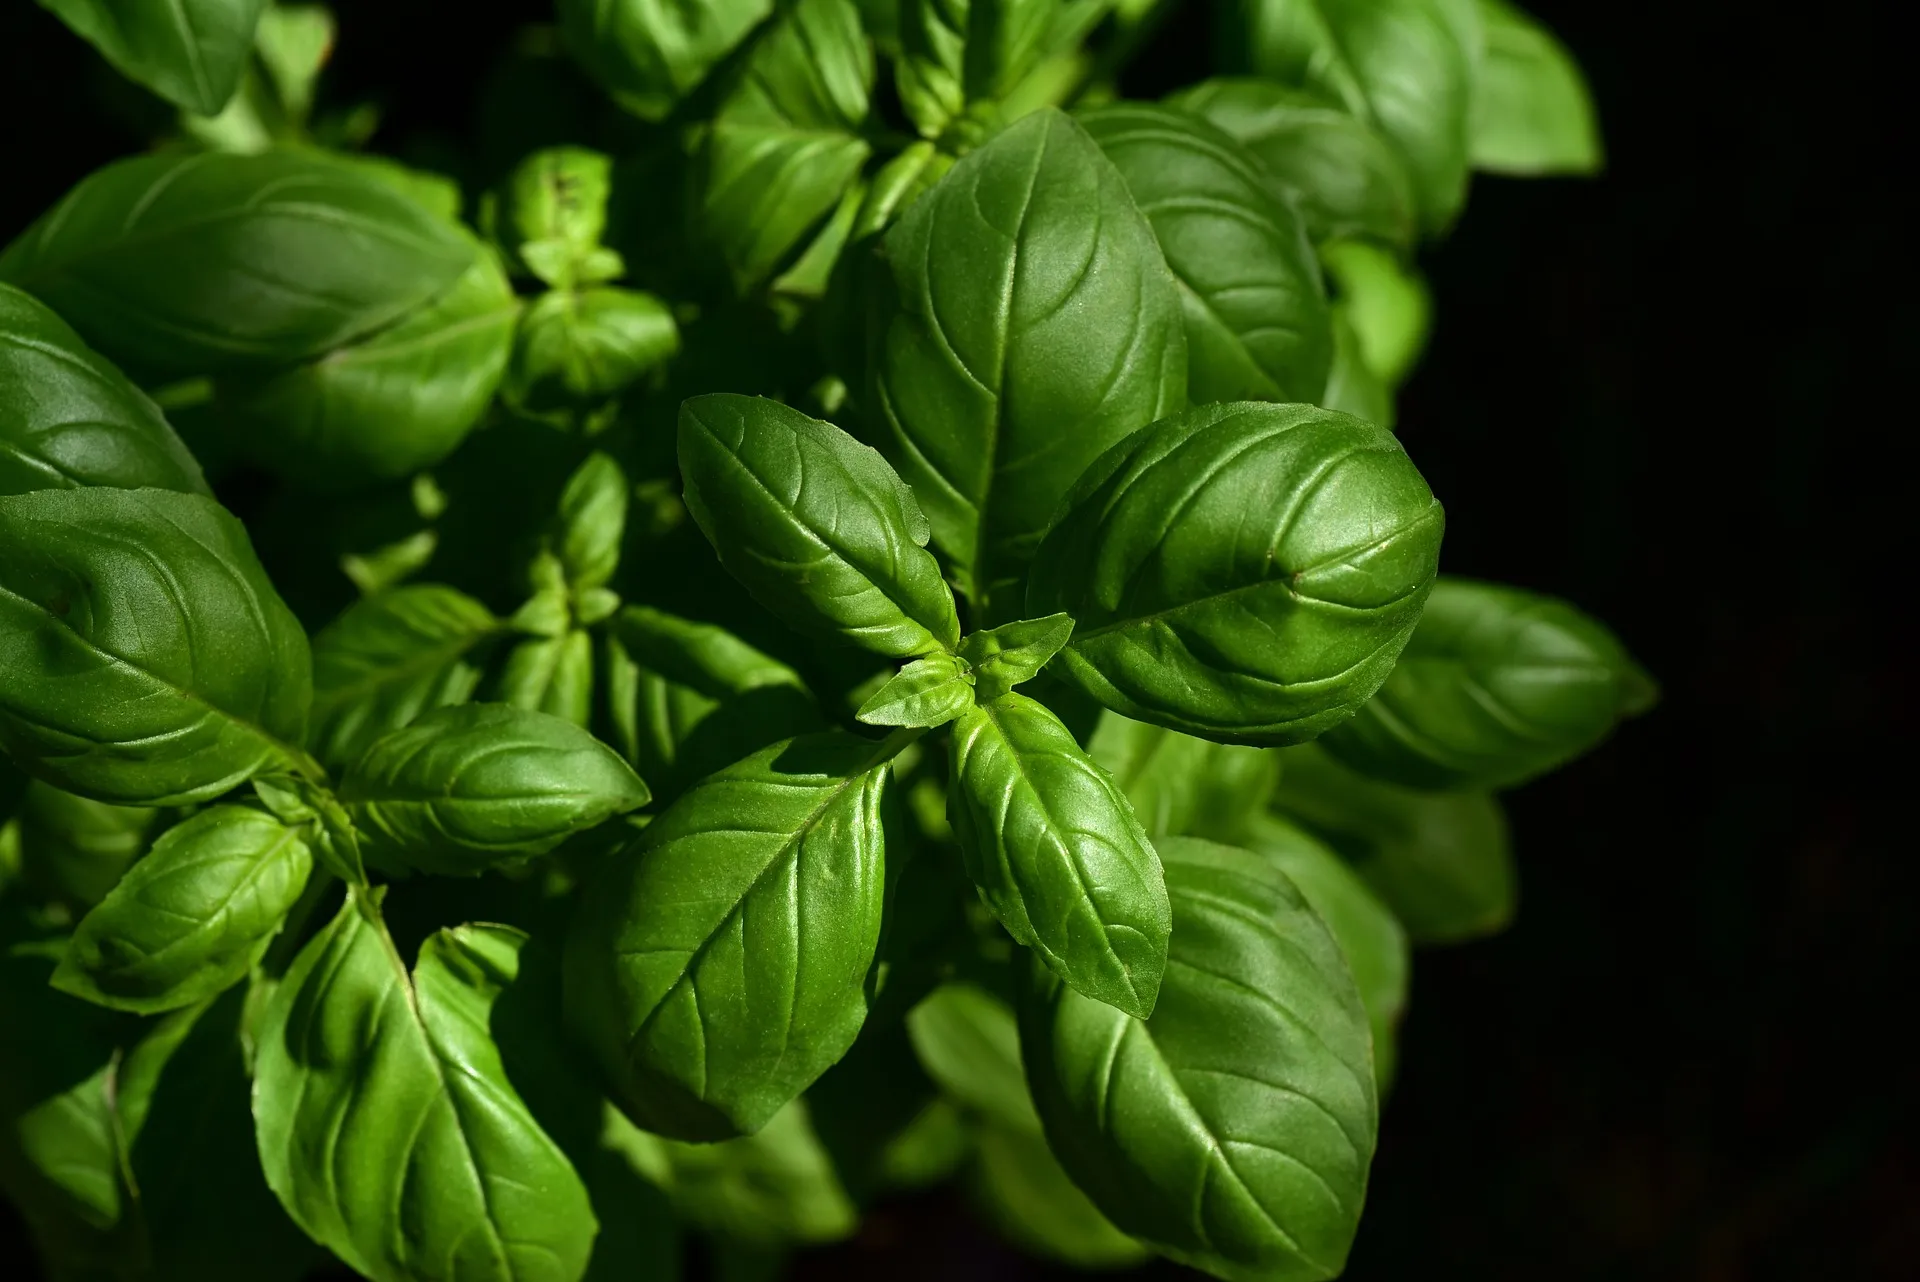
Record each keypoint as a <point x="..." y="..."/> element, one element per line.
<point x="1672" y="396"/>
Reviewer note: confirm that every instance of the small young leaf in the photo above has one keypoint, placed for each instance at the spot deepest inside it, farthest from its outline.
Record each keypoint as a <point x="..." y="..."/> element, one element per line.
<point x="1532" y="113"/>
<point x="574" y="350"/>
<point x="1057" y="853"/>
<point x="927" y="692"/>
<point x="467" y="788"/>
<point x="551" y="675"/>
<point x="1233" y="1130"/>
<point x="815" y="524"/>
<point x="556" y="204"/>
<point x="1013" y="653"/>
<point x="719" y="965"/>
<point x="191" y="918"/>
<point x="1385" y="302"/>
<point x="954" y="53"/>
<point x="591" y="522"/>
<point x="650" y="53"/>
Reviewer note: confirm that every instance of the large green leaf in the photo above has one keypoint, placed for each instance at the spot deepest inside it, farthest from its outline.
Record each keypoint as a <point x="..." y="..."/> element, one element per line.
<point x="68" y="418"/>
<point x="190" y="52"/>
<point x="186" y="264"/>
<point x="1441" y="860"/>
<point x="1338" y="171"/>
<point x="1034" y="324"/>
<point x="786" y="143"/>
<point x="1497" y="685"/>
<point x="389" y="658"/>
<point x="1057" y="853"/>
<point x="719" y="964"/>
<point x="466" y="788"/>
<point x="1180" y="786"/>
<point x="191" y="918"/>
<point x="1407" y="65"/>
<point x="815" y="524"/>
<point x="1247" y="572"/>
<point x="650" y="53"/>
<point x="1532" y="113"/>
<point x="1233" y="1130"/>
<point x="387" y="1125"/>
<point x="144" y="657"/>
<point x="1256" y="311"/>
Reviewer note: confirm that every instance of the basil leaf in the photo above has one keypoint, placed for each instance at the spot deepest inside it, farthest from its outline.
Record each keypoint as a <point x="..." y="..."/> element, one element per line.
<point x="552" y="676"/>
<point x="385" y="406"/>
<point x="1352" y="385"/>
<point x="389" y="658"/>
<point x="1441" y="860"/>
<point x="1406" y="65"/>
<point x="1386" y="304"/>
<point x="75" y="850"/>
<point x="1013" y="653"/>
<point x="188" y="264"/>
<point x="578" y="349"/>
<point x="695" y="697"/>
<point x="591" y="522"/>
<point x="557" y="211"/>
<point x="650" y="53"/>
<point x="817" y="526"/>
<point x="786" y="142"/>
<point x="188" y="921"/>
<point x="1532" y="113"/>
<point x="1255" y="308"/>
<point x="956" y="52"/>
<point x="395" y="1080"/>
<point x="927" y="692"/>
<point x="1233" y="1130"/>
<point x="1338" y="171"/>
<point x="1028" y="1197"/>
<point x="1247" y="573"/>
<point x="144" y="657"/>
<point x="719" y="964"/>
<point x="1179" y="785"/>
<point x="68" y="418"/>
<point x="1057" y="852"/>
<point x="191" y="53"/>
<point x="969" y="1043"/>
<point x="467" y="788"/>
<point x="1497" y="685"/>
<point x="1035" y="325"/>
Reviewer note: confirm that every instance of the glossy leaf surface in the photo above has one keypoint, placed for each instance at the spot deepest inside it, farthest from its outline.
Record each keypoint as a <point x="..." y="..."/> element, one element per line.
<point x="1033" y="324"/>
<point x="1247" y="573"/>
<point x="465" y="788"/>
<point x="650" y="53"/>
<point x="68" y="418"/>
<point x="815" y="524"/>
<point x="1013" y="653"/>
<point x="927" y="692"/>
<point x="1532" y="112"/>
<point x="190" y="52"/>
<point x="719" y="964"/>
<point x="1234" y="1129"/>
<point x="1057" y="853"/>
<point x="144" y="657"/>
<point x="189" y="919"/>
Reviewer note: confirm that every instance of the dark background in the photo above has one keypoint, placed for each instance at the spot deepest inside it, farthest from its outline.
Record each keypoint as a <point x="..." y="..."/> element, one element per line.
<point x="1668" y="395"/>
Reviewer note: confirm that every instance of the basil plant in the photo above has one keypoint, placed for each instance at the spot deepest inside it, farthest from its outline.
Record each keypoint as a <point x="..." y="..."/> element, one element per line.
<point x="828" y="604"/>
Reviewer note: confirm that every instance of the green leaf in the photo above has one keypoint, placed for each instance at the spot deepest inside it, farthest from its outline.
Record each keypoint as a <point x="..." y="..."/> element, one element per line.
<point x="1013" y="653"/>
<point x="551" y="675"/>
<point x="1532" y="113"/>
<point x="70" y="419"/>
<point x="385" y="406"/>
<point x="387" y="1125"/>
<point x="1255" y="308"/>
<point x="1057" y="853"/>
<point x="1337" y="170"/>
<point x="959" y="52"/>
<point x="651" y="53"/>
<point x="1441" y="860"/>
<point x="689" y="698"/>
<point x="574" y="350"/>
<point x="1386" y="303"/>
<point x="927" y="692"/>
<point x="144" y="657"/>
<point x="1370" y="936"/>
<point x="294" y="42"/>
<point x="190" y="52"/>
<point x="1247" y="573"/>
<point x="1497" y="685"/>
<point x="75" y="850"/>
<point x="1408" y="66"/>
<point x="1029" y="1198"/>
<point x="180" y="265"/>
<point x="1179" y="785"/>
<point x="1352" y="385"/>
<point x="815" y="525"/>
<point x="556" y="203"/>
<point x="467" y="788"/>
<point x="188" y="921"/>
<point x="719" y="965"/>
<point x="785" y="144"/>
<point x="968" y="1042"/>
<point x="1035" y="325"/>
<point x="1233" y="1130"/>
<point x="389" y="658"/>
<point x="591" y="522"/>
